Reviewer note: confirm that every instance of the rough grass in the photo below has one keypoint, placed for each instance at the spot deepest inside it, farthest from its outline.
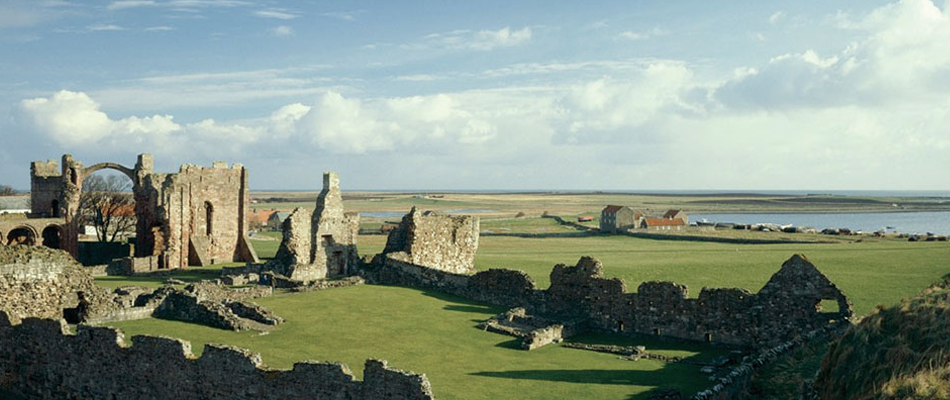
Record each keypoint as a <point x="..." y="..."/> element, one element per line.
<point x="896" y="353"/>
<point x="435" y="334"/>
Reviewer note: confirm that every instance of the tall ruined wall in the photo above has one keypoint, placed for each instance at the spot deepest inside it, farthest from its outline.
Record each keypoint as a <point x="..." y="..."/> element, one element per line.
<point x="46" y="189"/>
<point x="321" y="244"/>
<point x="39" y="360"/>
<point x="787" y="306"/>
<point x="433" y="240"/>
<point x="195" y="217"/>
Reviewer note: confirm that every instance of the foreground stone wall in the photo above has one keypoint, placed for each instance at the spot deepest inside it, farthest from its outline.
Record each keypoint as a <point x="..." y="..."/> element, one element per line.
<point x="39" y="360"/>
<point x="433" y="240"/>
<point x="40" y="282"/>
<point x="321" y="244"/>
<point x="787" y="306"/>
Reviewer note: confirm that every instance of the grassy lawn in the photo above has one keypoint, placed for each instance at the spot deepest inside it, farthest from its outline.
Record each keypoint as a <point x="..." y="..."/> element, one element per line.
<point x="436" y="334"/>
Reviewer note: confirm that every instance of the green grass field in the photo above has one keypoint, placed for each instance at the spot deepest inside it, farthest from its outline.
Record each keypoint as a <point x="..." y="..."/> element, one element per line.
<point x="435" y="333"/>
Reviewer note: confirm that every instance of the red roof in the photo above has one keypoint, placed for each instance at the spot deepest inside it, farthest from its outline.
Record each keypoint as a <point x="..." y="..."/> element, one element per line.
<point x="664" y="222"/>
<point x="612" y="209"/>
<point x="671" y="214"/>
<point x="260" y="216"/>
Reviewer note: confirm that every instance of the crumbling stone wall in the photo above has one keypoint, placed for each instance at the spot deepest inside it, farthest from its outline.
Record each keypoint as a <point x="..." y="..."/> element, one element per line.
<point x="38" y="359"/>
<point x="322" y="244"/>
<point x="433" y="240"/>
<point x="195" y="217"/>
<point x="787" y="306"/>
<point x="40" y="282"/>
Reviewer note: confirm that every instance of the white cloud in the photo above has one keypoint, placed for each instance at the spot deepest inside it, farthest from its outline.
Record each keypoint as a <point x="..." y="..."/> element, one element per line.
<point x="276" y="14"/>
<point x="776" y="17"/>
<point x="162" y="28"/>
<point x="179" y="4"/>
<point x="343" y="15"/>
<point x="482" y="40"/>
<point x="904" y="57"/>
<point x="282" y="31"/>
<point x="644" y="35"/>
<point x="104" y="27"/>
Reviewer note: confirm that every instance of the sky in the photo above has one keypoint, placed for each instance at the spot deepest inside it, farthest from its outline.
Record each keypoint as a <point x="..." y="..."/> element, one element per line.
<point x="487" y="95"/>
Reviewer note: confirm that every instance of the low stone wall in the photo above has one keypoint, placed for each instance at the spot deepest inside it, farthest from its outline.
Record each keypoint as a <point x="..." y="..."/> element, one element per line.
<point x="38" y="359"/>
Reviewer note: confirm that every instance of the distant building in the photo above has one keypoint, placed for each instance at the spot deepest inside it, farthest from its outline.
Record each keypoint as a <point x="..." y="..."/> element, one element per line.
<point x="14" y="205"/>
<point x="276" y="219"/>
<point x="664" y="224"/>
<point x="677" y="214"/>
<point x="618" y="218"/>
<point x="258" y="219"/>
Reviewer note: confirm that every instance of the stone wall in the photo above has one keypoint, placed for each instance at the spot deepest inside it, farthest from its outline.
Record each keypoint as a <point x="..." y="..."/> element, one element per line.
<point x="38" y="359"/>
<point x="787" y="306"/>
<point x="40" y="282"/>
<point x="319" y="245"/>
<point x="433" y="240"/>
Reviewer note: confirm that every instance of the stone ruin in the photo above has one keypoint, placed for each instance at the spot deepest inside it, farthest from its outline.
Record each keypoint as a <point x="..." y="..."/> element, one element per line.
<point x="429" y="239"/>
<point x="322" y="244"/>
<point x="787" y="306"/>
<point x="40" y="359"/>
<point x="197" y="216"/>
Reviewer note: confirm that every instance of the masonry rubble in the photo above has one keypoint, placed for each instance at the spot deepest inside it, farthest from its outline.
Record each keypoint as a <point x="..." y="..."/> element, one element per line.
<point x="321" y="244"/>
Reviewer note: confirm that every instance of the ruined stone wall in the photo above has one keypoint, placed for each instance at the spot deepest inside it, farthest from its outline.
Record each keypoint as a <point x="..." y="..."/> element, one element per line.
<point x="39" y="360"/>
<point x="787" y="306"/>
<point x="433" y="240"/>
<point x="201" y="213"/>
<point x="46" y="181"/>
<point x="40" y="282"/>
<point x="321" y="244"/>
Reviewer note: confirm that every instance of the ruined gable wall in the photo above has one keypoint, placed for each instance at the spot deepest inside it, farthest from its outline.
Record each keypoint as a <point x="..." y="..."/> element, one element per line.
<point x="436" y="241"/>
<point x="321" y="244"/>
<point x="38" y="360"/>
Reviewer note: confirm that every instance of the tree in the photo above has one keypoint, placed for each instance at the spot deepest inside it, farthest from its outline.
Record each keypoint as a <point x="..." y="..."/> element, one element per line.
<point x="6" y="190"/>
<point x="107" y="204"/>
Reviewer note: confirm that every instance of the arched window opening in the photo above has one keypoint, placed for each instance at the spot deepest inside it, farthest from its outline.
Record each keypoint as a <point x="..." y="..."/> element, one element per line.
<point x="209" y="218"/>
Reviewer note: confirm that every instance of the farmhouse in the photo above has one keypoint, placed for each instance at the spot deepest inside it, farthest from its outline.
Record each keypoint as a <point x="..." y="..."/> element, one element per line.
<point x="663" y="224"/>
<point x="617" y="218"/>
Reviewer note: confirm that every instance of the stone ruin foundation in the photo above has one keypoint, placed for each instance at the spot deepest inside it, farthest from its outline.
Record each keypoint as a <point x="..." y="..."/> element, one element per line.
<point x="321" y="244"/>
<point x="429" y="239"/>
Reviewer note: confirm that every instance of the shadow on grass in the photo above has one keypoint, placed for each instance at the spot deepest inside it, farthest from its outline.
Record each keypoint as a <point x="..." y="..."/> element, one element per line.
<point x="463" y="305"/>
<point x="653" y="344"/>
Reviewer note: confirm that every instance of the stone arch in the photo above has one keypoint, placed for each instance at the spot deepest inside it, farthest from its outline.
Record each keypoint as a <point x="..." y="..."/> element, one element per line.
<point x="52" y="236"/>
<point x="109" y="165"/>
<point x="22" y="235"/>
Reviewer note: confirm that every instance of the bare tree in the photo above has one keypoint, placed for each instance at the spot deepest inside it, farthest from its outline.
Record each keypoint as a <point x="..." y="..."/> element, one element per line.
<point x="108" y="205"/>
<point x="6" y="190"/>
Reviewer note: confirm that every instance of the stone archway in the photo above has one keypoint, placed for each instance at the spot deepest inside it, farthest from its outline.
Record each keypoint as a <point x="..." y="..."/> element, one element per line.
<point x="22" y="235"/>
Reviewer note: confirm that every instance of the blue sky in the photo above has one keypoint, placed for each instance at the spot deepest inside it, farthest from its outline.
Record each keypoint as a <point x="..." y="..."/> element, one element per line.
<point x="626" y="95"/>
